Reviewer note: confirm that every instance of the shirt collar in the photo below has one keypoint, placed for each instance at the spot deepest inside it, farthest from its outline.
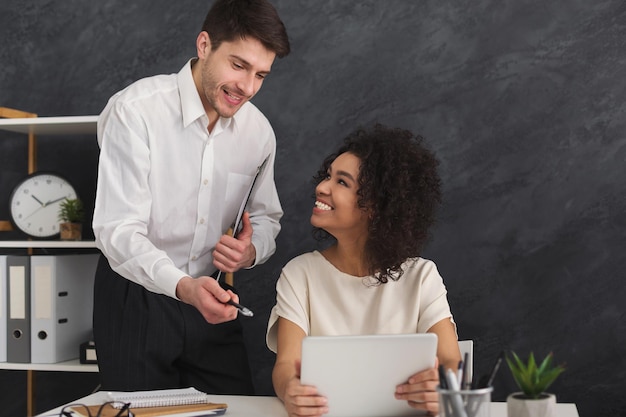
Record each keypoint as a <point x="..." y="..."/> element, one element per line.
<point x="191" y="104"/>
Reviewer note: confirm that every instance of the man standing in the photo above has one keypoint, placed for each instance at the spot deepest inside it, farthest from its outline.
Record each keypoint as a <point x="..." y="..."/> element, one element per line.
<point x="178" y="153"/>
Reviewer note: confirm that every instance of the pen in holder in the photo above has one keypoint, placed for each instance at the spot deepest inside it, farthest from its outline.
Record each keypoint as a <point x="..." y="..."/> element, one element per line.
<point x="464" y="403"/>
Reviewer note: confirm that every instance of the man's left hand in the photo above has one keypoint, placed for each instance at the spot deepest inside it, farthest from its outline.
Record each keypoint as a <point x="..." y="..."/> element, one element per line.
<point x="231" y="254"/>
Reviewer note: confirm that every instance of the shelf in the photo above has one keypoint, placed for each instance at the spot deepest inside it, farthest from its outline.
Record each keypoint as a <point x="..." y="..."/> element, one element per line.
<point x="17" y="121"/>
<point x="73" y="365"/>
<point x="65" y="125"/>
<point x="48" y="244"/>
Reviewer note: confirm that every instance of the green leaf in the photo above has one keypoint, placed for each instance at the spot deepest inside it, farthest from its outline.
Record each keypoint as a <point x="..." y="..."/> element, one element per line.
<point x="530" y="378"/>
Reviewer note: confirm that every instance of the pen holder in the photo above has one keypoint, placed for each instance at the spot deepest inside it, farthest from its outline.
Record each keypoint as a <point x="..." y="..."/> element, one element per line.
<point x="465" y="403"/>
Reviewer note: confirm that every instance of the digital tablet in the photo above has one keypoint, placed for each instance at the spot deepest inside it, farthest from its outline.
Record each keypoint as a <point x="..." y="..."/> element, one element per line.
<point x="359" y="374"/>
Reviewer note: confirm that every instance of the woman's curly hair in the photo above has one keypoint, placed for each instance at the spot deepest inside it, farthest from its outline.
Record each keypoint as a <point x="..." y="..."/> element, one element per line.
<point x="399" y="184"/>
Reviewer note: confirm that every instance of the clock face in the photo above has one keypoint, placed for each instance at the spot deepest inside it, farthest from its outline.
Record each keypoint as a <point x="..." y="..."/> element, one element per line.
<point x="35" y="203"/>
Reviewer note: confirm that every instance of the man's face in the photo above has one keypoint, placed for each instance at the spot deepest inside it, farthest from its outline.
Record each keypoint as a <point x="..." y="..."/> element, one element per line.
<point x="231" y="75"/>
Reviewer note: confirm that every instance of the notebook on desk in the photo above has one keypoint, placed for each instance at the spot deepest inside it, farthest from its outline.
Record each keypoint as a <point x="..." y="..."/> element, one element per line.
<point x="179" y="402"/>
<point x="359" y="374"/>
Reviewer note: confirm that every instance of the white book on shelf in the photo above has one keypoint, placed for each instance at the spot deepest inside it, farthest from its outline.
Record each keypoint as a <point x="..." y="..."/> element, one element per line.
<point x="61" y="305"/>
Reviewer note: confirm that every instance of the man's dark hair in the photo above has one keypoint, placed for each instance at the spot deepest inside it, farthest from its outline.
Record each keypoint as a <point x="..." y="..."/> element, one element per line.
<point x="230" y="20"/>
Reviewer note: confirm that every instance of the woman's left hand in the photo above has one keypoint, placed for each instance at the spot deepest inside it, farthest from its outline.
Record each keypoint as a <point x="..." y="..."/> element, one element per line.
<point x="420" y="391"/>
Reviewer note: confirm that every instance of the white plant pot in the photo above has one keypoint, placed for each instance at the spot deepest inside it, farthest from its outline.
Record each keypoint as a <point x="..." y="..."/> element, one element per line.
<point x="519" y="406"/>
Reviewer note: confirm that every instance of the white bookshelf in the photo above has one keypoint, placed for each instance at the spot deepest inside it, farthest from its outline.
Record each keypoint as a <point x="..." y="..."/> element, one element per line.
<point x="47" y="126"/>
<point x="63" y="125"/>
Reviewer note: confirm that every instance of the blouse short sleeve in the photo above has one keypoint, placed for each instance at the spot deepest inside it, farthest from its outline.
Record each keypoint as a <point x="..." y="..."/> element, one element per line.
<point x="292" y="300"/>
<point x="434" y="305"/>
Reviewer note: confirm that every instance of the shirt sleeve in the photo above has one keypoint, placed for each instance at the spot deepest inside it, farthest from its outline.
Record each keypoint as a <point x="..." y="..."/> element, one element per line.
<point x="292" y="302"/>
<point x="434" y="301"/>
<point x="123" y="203"/>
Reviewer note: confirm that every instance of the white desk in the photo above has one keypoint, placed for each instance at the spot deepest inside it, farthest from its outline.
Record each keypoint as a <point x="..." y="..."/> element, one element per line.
<point x="243" y="406"/>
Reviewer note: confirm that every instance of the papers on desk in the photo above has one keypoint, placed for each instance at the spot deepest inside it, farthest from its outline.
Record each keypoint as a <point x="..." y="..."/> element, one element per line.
<point x="196" y="410"/>
<point x="159" y="398"/>
<point x="183" y="402"/>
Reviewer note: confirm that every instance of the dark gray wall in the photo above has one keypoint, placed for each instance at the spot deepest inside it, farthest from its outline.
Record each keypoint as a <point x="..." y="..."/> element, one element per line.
<point x="523" y="101"/>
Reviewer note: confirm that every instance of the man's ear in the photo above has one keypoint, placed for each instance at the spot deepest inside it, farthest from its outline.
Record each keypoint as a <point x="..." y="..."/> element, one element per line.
<point x="203" y="45"/>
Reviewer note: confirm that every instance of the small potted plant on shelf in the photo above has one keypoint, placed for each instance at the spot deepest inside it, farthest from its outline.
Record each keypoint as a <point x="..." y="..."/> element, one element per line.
<point x="533" y="380"/>
<point x="71" y="215"/>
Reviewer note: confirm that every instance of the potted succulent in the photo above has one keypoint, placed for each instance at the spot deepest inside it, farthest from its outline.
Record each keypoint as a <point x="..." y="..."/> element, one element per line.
<point x="533" y="380"/>
<point x="71" y="216"/>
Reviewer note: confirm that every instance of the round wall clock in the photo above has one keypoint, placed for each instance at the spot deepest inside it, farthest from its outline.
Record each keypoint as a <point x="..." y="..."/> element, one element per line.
<point x="35" y="203"/>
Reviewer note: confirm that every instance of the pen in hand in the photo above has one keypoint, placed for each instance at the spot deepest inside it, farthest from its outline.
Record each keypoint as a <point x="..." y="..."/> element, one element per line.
<point x="243" y="310"/>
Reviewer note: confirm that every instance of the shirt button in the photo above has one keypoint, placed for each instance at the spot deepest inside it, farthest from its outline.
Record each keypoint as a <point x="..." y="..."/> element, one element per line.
<point x="201" y="221"/>
<point x="193" y="258"/>
<point x="205" y="182"/>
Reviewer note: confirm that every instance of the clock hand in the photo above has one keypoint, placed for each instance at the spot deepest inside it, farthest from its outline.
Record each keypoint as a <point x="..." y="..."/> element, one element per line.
<point x="36" y="210"/>
<point x="54" y="201"/>
<point x="37" y="200"/>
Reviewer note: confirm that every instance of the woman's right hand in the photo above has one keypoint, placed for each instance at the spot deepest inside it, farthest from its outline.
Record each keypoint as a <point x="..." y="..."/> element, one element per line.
<point x="303" y="400"/>
<point x="299" y="400"/>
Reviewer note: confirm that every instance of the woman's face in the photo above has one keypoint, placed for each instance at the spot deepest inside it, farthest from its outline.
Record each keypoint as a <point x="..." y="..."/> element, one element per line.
<point x="336" y="207"/>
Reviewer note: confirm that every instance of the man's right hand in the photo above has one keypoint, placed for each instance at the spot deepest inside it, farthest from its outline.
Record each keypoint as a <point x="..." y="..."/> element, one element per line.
<point x="206" y="295"/>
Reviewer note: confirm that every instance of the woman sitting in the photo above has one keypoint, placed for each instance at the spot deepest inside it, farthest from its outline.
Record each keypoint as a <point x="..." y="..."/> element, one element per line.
<point x="376" y="198"/>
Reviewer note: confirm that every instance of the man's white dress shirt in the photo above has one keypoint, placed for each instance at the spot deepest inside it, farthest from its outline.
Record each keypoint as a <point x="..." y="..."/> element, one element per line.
<point x="168" y="189"/>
